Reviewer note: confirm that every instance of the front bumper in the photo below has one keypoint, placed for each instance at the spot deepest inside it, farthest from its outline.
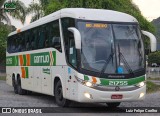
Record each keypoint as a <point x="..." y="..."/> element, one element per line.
<point x="105" y="96"/>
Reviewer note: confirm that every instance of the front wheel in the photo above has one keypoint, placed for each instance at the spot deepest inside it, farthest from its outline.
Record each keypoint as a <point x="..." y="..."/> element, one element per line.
<point x="114" y="104"/>
<point x="58" y="92"/>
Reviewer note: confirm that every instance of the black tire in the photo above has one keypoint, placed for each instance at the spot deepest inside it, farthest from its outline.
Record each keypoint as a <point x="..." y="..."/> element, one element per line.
<point x="114" y="104"/>
<point x="58" y="93"/>
<point x="14" y="84"/>
<point x="28" y="92"/>
<point x="20" y="90"/>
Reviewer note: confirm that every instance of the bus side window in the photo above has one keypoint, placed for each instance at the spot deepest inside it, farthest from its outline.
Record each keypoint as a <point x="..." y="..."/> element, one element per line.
<point x="47" y="29"/>
<point x="41" y="37"/>
<point x="19" y="43"/>
<point x="55" y="36"/>
<point x="32" y="40"/>
<point x="13" y="44"/>
<point x="36" y="37"/>
<point x="9" y="45"/>
<point x="23" y="42"/>
<point x="67" y="22"/>
<point x="72" y="51"/>
<point x="27" y="41"/>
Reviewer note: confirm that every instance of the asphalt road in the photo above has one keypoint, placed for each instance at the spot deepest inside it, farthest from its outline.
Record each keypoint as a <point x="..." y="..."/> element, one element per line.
<point x="9" y="99"/>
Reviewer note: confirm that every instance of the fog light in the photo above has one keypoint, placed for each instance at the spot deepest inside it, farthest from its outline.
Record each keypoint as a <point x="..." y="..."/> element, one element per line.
<point x="87" y="95"/>
<point x="89" y="84"/>
<point x="141" y="95"/>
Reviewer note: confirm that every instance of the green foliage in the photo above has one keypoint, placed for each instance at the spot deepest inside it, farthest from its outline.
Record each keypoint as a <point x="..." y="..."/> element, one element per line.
<point x="152" y="87"/>
<point x="18" y="14"/>
<point x="156" y="23"/>
<point x="154" y="57"/>
<point x="119" y="5"/>
<point x="4" y="31"/>
<point x="37" y="9"/>
<point x="3" y="78"/>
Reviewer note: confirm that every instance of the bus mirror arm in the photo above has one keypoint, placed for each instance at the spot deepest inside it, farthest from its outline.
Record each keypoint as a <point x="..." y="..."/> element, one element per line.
<point x="77" y="37"/>
<point x="153" y="40"/>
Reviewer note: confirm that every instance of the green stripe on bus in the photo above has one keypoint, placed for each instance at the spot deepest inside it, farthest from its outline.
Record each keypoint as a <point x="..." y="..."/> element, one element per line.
<point x="132" y="81"/>
<point x="37" y="59"/>
<point x="26" y="70"/>
<point x="54" y="58"/>
<point x="11" y="61"/>
<point x="16" y="61"/>
<point x="24" y="60"/>
<point x="86" y="77"/>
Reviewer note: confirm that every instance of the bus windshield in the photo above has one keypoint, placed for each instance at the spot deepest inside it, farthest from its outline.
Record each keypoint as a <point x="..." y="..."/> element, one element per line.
<point x="111" y="48"/>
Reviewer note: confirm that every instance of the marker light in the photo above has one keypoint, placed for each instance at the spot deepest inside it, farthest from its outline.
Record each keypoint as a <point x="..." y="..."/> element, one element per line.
<point x="87" y="95"/>
<point x="141" y="84"/>
<point x="89" y="84"/>
<point x="141" y="95"/>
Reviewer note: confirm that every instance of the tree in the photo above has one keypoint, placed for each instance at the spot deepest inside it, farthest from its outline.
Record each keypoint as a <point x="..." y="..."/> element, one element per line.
<point x="3" y="15"/>
<point x="19" y="13"/>
<point x="37" y="9"/>
<point x="4" y="31"/>
<point x="154" y="58"/>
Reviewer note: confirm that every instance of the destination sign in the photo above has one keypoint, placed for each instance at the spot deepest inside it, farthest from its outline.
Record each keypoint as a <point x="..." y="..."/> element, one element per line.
<point x="96" y="25"/>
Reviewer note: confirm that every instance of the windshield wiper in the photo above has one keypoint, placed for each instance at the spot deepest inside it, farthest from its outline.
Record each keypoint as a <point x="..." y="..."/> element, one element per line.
<point x="124" y="61"/>
<point x="107" y="61"/>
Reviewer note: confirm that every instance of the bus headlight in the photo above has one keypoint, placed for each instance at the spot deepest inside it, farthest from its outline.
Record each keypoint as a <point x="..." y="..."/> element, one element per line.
<point x="141" y="84"/>
<point x="86" y="83"/>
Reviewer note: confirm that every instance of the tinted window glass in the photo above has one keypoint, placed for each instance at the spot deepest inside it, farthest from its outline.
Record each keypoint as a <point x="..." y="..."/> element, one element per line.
<point x="55" y="40"/>
<point x="67" y="22"/>
<point x="9" y="44"/>
<point x="41" y="37"/>
<point x="44" y="36"/>
<point x="69" y="40"/>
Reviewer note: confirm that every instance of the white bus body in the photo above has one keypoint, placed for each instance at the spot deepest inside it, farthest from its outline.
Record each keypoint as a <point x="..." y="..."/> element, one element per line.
<point x="40" y="68"/>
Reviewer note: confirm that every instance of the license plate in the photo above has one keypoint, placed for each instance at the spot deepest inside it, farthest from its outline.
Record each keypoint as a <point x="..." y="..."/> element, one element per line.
<point x="116" y="96"/>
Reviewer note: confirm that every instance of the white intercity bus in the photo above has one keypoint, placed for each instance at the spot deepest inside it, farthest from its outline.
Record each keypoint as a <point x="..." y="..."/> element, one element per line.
<point x="83" y="55"/>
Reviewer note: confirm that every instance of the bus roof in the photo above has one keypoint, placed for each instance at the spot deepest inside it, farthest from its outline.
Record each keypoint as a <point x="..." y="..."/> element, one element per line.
<point x="82" y="13"/>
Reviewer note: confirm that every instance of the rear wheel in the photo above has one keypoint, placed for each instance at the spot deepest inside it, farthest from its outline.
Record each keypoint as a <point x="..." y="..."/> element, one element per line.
<point x="20" y="90"/>
<point x="14" y="84"/>
<point x="116" y="104"/>
<point x="59" y="95"/>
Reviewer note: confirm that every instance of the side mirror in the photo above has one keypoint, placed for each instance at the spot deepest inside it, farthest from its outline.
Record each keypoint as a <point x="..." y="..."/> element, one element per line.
<point x="77" y="37"/>
<point x="153" y="40"/>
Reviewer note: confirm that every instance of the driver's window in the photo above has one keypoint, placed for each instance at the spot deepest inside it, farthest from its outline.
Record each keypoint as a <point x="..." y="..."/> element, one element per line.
<point x="72" y="52"/>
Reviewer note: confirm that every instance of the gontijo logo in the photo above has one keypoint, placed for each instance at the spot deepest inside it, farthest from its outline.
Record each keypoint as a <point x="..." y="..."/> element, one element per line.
<point x="41" y="59"/>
